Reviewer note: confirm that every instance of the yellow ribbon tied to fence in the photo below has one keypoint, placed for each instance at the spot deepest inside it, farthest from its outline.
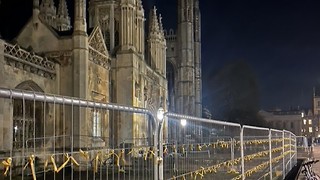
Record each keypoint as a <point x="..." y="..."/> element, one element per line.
<point x="31" y="163"/>
<point x="96" y="161"/>
<point x="199" y="147"/>
<point x="165" y="151"/>
<point x="121" y="156"/>
<point x="183" y="149"/>
<point x="84" y="154"/>
<point x="7" y="164"/>
<point x="150" y="152"/>
<point x="68" y="158"/>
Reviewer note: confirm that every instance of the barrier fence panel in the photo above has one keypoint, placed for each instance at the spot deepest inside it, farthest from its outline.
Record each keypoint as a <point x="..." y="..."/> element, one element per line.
<point x="303" y="150"/>
<point x="256" y="149"/>
<point x="201" y="148"/>
<point x="278" y="149"/>
<point x="55" y="137"/>
<point x="290" y="151"/>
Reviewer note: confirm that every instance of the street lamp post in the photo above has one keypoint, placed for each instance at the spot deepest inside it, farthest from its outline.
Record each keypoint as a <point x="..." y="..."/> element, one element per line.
<point x="160" y="117"/>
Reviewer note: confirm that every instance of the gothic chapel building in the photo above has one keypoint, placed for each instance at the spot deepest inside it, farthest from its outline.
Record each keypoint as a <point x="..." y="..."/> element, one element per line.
<point x="108" y="57"/>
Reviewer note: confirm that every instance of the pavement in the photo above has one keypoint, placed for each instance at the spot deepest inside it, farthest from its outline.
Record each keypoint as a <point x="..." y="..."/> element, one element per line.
<point x="316" y="155"/>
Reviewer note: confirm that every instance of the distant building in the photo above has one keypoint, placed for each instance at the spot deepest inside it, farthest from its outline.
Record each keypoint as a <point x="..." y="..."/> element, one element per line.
<point x="288" y="120"/>
<point x="310" y="125"/>
<point x="316" y="100"/>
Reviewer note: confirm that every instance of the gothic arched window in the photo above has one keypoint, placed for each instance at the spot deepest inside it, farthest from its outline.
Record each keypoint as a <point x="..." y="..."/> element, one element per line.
<point x="27" y="118"/>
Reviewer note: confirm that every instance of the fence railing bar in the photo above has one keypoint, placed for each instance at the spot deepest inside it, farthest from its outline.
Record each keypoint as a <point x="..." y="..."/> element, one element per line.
<point x="254" y="127"/>
<point x="181" y="116"/>
<point x="30" y="95"/>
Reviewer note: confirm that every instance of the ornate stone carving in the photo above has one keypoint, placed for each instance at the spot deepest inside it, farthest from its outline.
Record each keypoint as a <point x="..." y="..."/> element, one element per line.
<point x="137" y="90"/>
<point x="22" y="59"/>
<point x="98" y="52"/>
<point x="153" y="76"/>
<point x="63" y="57"/>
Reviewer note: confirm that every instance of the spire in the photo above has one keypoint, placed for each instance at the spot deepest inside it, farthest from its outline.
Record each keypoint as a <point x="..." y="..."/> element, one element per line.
<point x="62" y="9"/>
<point x="35" y="12"/>
<point x="35" y="4"/>
<point x="153" y="24"/>
<point x="63" y="19"/>
<point x="140" y="6"/>
<point x="47" y="9"/>
<point x="161" y="27"/>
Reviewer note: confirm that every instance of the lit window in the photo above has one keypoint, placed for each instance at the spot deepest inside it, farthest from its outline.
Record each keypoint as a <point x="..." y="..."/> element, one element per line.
<point x="304" y="121"/>
<point x="310" y="129"/>
<point x="96" y="132"/>
<point x="310" y="121"/>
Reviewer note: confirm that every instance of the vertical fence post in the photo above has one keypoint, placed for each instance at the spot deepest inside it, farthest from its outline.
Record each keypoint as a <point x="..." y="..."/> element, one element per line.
<point x="242" y="153"/>
<point x="283" y="159"/>
<point x="270" y="154"/>
<point x="160" y="149"/>
<point x="232" y="150"/>
<point x="156" y="137"/>
<point x="291" y="159"/>
<point x="295" y="150"/>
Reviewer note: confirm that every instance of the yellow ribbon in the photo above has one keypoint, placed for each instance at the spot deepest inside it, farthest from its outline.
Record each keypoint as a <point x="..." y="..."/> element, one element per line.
<point x="148" y="152"/>
<point x="174" y="148"/>
<point x="121" y="156"/>
<point x="232" y="171"/>
<point x="165" y="151"/>
<point x="191" y="147"/>
<point x="84" y="154"/>
<point x="182" y="149"/>
<point x="31" y="163"/>
<point x="96" y="162"/>
<point x="199" y="147"/>
<point x="68" y="158"/>
<point x="7" y="164"/>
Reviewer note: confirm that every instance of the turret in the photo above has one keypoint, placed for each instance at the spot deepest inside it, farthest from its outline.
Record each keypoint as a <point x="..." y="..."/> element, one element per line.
<point x="197" y="57"/>
<point x="140" y="28"/>
<point x="127" y="28"/>
<point x="80" y="57"/>
<point x="186" y="72"/>
<point x="63" y="19"/>
<point x="156" y="43"/>
<point x="163" y="48"/>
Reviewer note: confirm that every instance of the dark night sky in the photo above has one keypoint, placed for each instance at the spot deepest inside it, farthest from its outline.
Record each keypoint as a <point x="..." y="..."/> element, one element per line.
<point x="279" y="39"/>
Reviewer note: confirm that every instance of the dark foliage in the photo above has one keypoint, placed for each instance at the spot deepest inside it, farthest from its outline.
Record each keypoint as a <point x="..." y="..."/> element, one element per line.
<point x="236" y="95"/>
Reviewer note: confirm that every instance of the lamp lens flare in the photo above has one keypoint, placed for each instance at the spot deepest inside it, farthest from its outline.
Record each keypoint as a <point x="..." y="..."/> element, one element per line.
<point x="183" y="122"/>
<point x="160" y="114"/>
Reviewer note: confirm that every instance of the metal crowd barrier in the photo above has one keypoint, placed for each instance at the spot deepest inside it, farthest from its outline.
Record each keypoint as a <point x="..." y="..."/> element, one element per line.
<point x="58" y="137"/>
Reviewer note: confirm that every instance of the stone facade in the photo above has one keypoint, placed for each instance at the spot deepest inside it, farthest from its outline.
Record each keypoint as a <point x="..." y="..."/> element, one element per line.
<point x="108" y="62"/>
<point x="184" y="60"/>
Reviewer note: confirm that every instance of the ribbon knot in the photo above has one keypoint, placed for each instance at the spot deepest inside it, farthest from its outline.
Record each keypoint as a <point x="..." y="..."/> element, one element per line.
<point x="7" y="164"/>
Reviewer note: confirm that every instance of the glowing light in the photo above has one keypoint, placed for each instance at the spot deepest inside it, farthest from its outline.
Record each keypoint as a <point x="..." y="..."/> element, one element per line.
<point x="183" y="122"/>
<point x="160" y="114"/>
